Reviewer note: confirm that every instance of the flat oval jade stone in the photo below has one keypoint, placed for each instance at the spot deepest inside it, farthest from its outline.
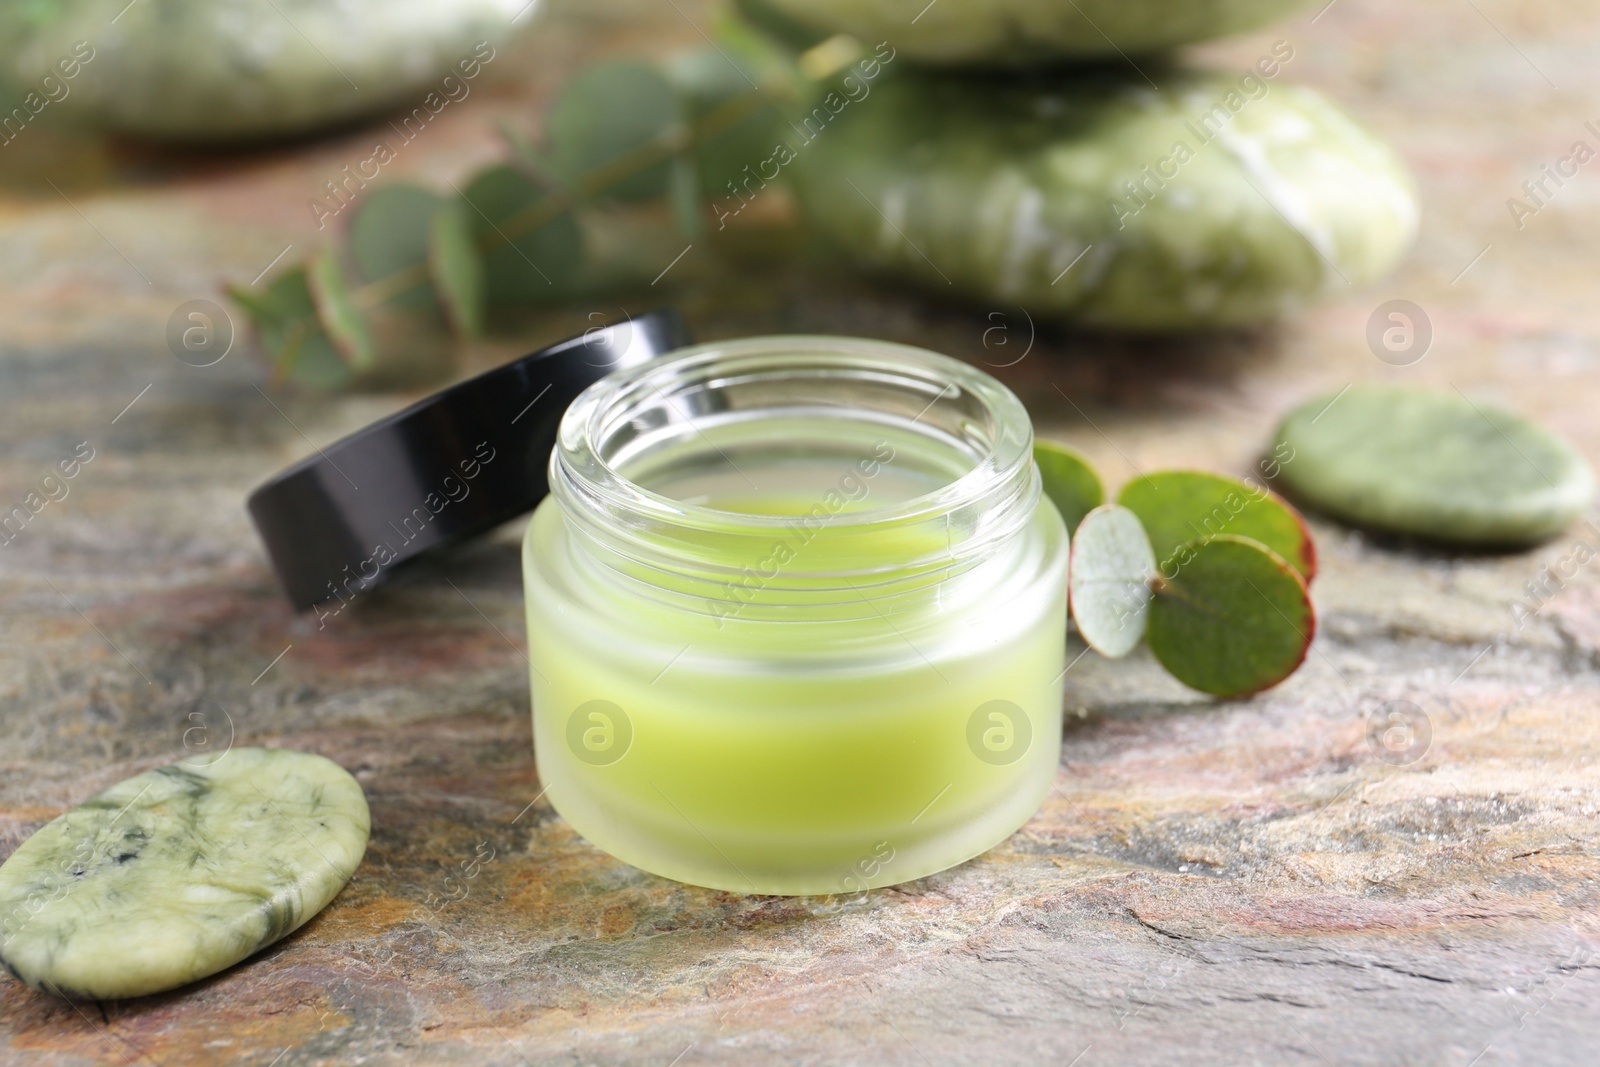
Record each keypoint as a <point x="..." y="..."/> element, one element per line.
<point x="1094" y="198"/>
<point x="178" y="873"/>
<point x="1435" y="465"/>
<point x="1006" y="32"/>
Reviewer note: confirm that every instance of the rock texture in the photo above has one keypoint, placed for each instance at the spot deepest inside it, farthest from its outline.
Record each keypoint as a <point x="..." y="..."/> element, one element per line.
<point x="1030" y="193"/>
<point x="179" y="872"/>
<point x="1436" y="465"/>
<point x="1252" y="882"/>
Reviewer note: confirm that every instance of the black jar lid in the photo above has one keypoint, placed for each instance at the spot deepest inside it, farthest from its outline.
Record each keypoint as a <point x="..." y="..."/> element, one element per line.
<point x="453" y="465"/>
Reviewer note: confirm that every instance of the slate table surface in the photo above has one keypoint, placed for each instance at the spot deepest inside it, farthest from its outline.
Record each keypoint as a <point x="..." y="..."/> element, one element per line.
<point x="1241" y="882"/>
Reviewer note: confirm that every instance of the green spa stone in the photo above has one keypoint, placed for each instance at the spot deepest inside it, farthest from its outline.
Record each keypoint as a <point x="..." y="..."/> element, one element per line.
<point x="1009" y="32"/>
<point x="178" y="873"/>
<point x="1434" y="465"/>
<point x="198" y="70"/>
<point x="1015" y="193"/>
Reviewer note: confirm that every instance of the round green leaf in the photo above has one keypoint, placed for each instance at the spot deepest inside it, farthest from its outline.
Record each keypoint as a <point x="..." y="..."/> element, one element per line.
<point x="1070" y="483"/>
<point x="1433" y="464"/>
<point x="389" y="241"/>
<point x="1230" y="617"/>
<point x="286" y="319"/>
<point x="342" y="320"/>
<point x="457" y="269"/>
<point x="685" y="197"/>
<point x="1180" y="506"/>
<point x="315" y="364"/>
<point x="280" y="311"/>
<point x="611" y="115"/>
<point x="735" y="125"/>
<point x="532" y="248"/>
<point x="1110" y="573"/>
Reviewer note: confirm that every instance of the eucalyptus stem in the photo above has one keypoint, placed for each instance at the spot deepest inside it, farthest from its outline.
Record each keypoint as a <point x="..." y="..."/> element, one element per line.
<point x="561" y="198"/>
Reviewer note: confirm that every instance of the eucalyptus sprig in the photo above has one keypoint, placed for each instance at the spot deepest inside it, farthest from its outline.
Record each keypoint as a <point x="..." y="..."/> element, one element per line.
<point x="1211" y="572"/>
<point x="664" y="137"/>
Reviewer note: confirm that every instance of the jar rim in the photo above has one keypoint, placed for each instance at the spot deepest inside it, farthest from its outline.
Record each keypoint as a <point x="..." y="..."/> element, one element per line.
<point x="579" y="463"/>
<point x="833" y="561"/>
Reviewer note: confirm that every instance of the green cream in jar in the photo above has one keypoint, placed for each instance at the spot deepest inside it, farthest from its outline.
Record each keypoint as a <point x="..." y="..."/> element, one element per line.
<point x="796" y="616"/>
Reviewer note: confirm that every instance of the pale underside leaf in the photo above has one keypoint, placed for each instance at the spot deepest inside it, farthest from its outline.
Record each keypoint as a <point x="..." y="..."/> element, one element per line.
<point x="1112" y="566"/>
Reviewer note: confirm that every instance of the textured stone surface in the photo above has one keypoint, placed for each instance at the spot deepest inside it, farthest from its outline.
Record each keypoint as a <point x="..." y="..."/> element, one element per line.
<point x="1005" y="32"/>
<point x="187" y="71"/>
<point x="1433" y="464"/>
<point x="1098" y="200"/>
<point x="179" y="872"/>
<point x="1241" y="882"/>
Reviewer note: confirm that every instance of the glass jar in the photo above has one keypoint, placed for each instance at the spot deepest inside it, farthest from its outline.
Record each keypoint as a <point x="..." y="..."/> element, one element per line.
<point x="796" y="616"/>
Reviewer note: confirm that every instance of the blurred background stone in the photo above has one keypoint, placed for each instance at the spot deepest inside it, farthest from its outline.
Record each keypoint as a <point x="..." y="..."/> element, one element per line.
<point x="243" y="69"/>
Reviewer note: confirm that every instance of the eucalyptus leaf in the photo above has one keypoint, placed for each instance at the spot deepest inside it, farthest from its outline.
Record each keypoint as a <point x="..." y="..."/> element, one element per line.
<point x="610" y="131"/>
<point x="285" y="317"/>
<point x="532" y="245"/>
<point x="1180" y="506"/>
<point x="685" y="197"/>
<point x="734" y="121"/>
<point x="1111" y="571"/>
<point x="1233" y="618"/>
<point x="389" y="241"/>
<point x="279" y="311"/>
<point x="1069" y="481"/>
<point x="342" y="320"/>
<point x="457" y="269"/>
<point x="316" y="364"/>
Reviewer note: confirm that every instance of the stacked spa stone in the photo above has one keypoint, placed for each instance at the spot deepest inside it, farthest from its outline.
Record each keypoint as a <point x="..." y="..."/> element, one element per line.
<point x="1048" y="153"/>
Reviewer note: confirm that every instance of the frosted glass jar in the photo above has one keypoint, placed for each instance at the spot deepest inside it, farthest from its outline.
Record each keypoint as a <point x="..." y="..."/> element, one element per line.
<point x="796" y="616"/>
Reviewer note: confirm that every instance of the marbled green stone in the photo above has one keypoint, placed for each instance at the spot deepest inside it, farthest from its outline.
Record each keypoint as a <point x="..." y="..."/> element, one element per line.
<point x="1021" y="31"/>
<point x="201" y="70"/>
<point x="1433" y="464"/>
<point x="177" y="873"/>
<point x="1016" y="192"/>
